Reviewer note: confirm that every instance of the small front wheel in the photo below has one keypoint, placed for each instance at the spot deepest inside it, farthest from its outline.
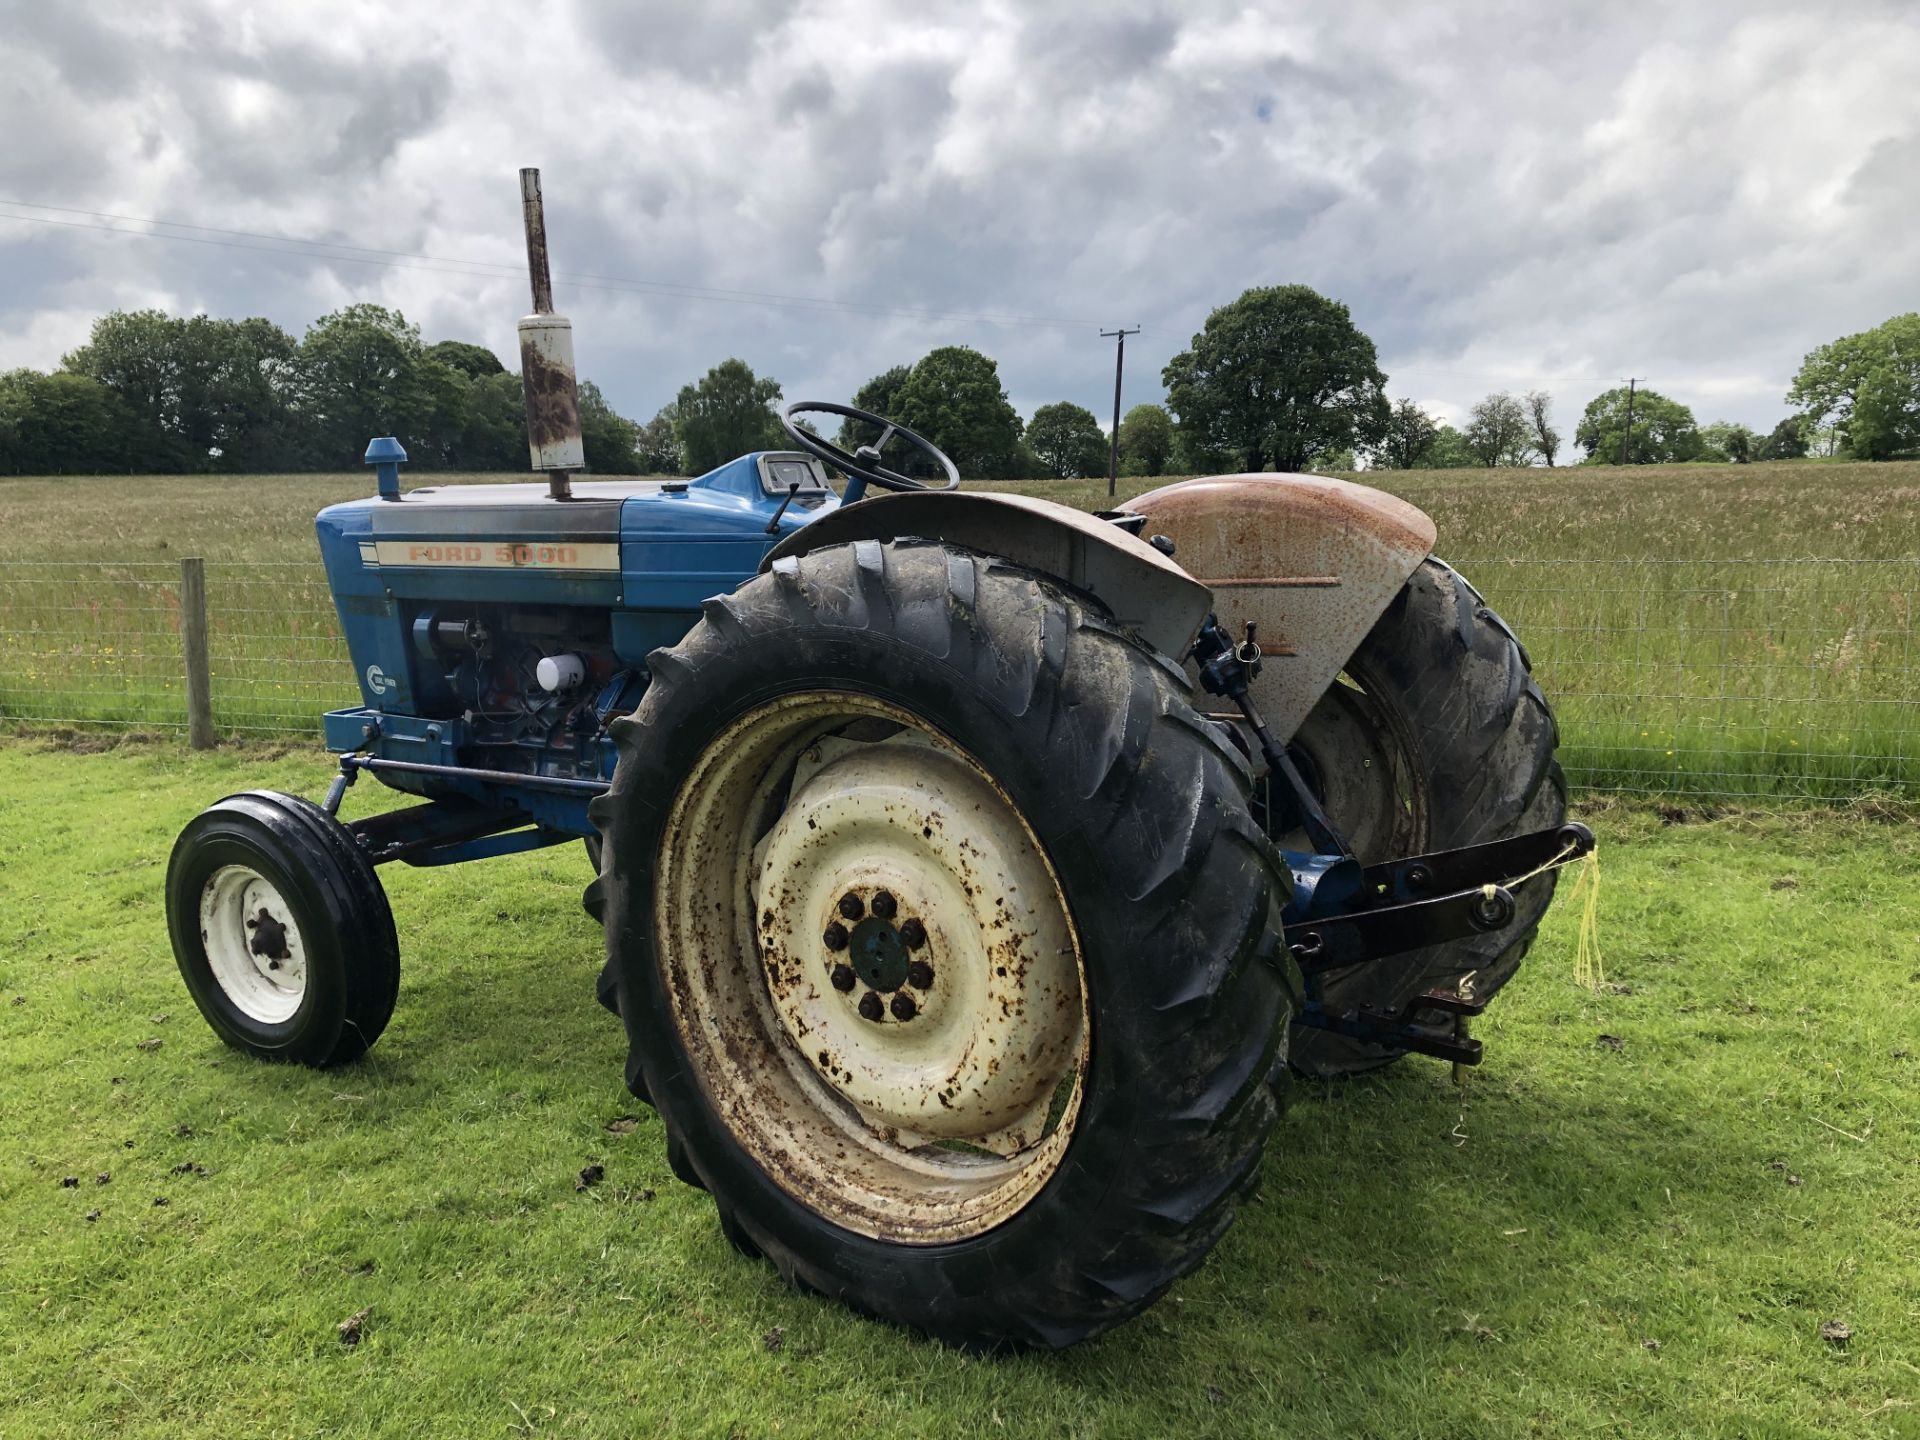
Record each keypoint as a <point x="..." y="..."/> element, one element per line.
<point x="281" y="930"/>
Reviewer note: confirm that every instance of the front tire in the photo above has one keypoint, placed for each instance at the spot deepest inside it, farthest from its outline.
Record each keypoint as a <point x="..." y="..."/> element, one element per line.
<point x="1062" y="1119"/>
<point x="281" y="930"/>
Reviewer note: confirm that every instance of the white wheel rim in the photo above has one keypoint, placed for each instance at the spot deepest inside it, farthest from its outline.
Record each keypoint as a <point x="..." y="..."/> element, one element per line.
<point x="940" y="1109"/>
<point x="253" y="944"/>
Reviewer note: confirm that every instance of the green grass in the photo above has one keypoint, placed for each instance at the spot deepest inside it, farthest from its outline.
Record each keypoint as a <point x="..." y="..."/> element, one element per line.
<point x="1709" y="631"/>
<point x="1501" y="1259"/>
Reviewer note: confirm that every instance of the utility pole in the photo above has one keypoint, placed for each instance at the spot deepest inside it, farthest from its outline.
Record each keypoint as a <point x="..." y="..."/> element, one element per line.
<point x="1113" y="441"/>
<point x="1626" y="439"/>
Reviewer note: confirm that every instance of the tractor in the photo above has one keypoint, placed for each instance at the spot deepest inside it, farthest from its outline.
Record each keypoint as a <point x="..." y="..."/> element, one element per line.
<point x="974" y="871"/>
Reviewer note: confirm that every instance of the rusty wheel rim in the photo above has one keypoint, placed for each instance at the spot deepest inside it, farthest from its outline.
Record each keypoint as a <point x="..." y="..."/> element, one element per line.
<point x="872" y="968"/>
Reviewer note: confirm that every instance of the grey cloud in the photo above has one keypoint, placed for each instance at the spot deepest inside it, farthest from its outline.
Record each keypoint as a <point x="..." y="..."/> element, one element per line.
<point x="1501" y="194"/>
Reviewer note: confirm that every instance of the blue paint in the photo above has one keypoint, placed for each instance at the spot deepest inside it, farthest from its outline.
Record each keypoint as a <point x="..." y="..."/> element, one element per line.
<point x="625" y="566"/>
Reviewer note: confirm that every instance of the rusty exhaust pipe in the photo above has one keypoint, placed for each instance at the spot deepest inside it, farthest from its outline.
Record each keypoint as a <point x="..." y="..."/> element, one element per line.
<point x="546" y="361"/>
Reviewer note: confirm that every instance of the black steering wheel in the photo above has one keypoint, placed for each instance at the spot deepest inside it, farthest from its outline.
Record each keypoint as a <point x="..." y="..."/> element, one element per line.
<point x="864" y="466"/>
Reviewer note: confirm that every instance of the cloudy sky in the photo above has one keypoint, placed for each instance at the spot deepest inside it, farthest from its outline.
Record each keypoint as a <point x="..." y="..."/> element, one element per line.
<point x="1507" y="195"/>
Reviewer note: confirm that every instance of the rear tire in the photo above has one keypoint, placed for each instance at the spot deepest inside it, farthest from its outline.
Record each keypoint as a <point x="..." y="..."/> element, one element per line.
<point x="281" y="930"/>
<point x="1440" y="739"/>
<point x="1017" y="689"/>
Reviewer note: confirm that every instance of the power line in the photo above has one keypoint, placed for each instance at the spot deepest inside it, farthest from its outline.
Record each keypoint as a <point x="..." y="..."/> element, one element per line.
<point x="330" y="250"/>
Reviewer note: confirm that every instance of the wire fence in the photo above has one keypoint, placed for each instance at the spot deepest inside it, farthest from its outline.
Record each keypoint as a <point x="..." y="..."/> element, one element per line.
<point x="1736" y="680"/>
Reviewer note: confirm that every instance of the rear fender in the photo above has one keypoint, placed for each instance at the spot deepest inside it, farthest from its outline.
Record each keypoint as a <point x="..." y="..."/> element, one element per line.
<point x="1314" y="561"/>
<point x="1144" y="590"/>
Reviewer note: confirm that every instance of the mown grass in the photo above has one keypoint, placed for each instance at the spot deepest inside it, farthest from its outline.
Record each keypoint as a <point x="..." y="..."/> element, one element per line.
<point x="1639" y="1235"/>
<point x="1704" y="630"/>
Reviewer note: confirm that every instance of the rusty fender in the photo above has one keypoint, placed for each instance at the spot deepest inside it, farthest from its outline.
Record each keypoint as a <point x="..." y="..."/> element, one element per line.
<point x="1142" y="588"/>
<point x="1314" y="561"/>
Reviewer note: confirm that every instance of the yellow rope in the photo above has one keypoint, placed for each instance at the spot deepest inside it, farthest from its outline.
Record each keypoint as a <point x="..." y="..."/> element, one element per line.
<point x="1588" y="968"/>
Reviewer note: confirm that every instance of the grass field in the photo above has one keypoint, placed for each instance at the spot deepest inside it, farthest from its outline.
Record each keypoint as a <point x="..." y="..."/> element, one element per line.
<point x="1633" y="1220"/>
<point x="1716" y="631"/>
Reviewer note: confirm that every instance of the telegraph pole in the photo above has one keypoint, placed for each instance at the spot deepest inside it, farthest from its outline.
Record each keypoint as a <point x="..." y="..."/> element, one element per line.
<point x="1113" y="441"/>
<point x="1626" y="440"/>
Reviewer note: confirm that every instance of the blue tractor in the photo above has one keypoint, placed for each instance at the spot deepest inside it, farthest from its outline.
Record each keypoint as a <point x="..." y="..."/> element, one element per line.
<point x="973" y="870"/>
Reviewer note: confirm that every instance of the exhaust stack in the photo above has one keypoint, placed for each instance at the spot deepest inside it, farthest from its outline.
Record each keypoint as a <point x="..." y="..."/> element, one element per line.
<point x="546" y="360"/>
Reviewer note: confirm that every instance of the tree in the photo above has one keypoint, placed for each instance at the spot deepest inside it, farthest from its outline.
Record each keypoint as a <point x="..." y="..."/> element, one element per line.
<point x="879" y="396"/>
<point x="656" y="447"/>
<point x="1278" y="376"/>
<point x="1728" y="441"/>
<point x="136" y="355"/>
<point x="1664" y="431"/>
<point x="493" y="435"/>
<point x="1408" y="439"/>
<point x="726" y="414"/>
<point x="237" y="387"/>
<point x="1146" y="440"/>
<point x="954" y="398"/>
<point x="1450" y="452"/>
<point x="1787" y="442"/>
<point x="1068" y="441"/>
<point x="1885" y="423"/>
<point x="1499" y="431"/>
<point x="66" y="424"/>
<point x="605" y="438"/>
<point x="1868" y="386"/>
<point x="1546" y="439"/>
<point x="476" y="362"/>
<point x="362" y="374"/>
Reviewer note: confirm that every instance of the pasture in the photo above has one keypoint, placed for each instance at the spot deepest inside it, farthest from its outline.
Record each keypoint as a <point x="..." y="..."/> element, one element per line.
<point x="1635" y="1218"/>
<point x="1717" y="632"/>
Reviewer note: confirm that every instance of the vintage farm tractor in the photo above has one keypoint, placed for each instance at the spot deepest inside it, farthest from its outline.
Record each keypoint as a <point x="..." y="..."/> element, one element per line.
<point x="972" y="869"/>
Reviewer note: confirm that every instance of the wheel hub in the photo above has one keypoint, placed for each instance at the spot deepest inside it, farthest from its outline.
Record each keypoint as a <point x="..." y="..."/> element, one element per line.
<point x="879" y="954"/>
<point x="913" y="947"/>
<point x="253" y="945"/>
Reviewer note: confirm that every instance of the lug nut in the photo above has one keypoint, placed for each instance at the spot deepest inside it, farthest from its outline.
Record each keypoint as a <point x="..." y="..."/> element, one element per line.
<point x="904" y="1008"/>
<point x="883" y="904"/>
<point x="870" y="1008"/>
<point x="851" y="906"/>
<point x="842" y="978"/>
<point x="835" y="936"/>
<point x="920" y="975"/>
<point x="914" y="933"/>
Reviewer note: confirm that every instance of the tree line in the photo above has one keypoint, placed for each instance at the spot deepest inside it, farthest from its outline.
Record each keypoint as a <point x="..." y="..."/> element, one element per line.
<point x="156" y="393"/>
<point x="1280" y="378"/>
<point x="1283" y="379"/>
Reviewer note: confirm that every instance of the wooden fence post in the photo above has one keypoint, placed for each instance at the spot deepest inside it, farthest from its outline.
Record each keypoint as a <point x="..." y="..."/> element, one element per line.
<point x="193" y="647"/>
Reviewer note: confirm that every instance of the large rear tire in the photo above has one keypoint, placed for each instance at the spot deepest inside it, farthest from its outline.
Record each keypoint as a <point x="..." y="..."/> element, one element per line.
<point x="1436" y="738"/>
<point x="887" y="756"/>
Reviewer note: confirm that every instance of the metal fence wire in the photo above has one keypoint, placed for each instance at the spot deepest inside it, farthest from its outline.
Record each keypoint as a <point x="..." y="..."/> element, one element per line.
<point x="1736" y="680"/>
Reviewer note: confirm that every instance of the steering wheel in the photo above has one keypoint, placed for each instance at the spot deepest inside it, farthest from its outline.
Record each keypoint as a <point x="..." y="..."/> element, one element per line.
<point x="863" y="466"/>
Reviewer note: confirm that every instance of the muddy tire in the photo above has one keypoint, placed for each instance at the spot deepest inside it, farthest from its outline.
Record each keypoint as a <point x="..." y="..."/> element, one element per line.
<point x="936" y="742"/>
<point x="281" y="930"/>
<point x="1439" y="739"/>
